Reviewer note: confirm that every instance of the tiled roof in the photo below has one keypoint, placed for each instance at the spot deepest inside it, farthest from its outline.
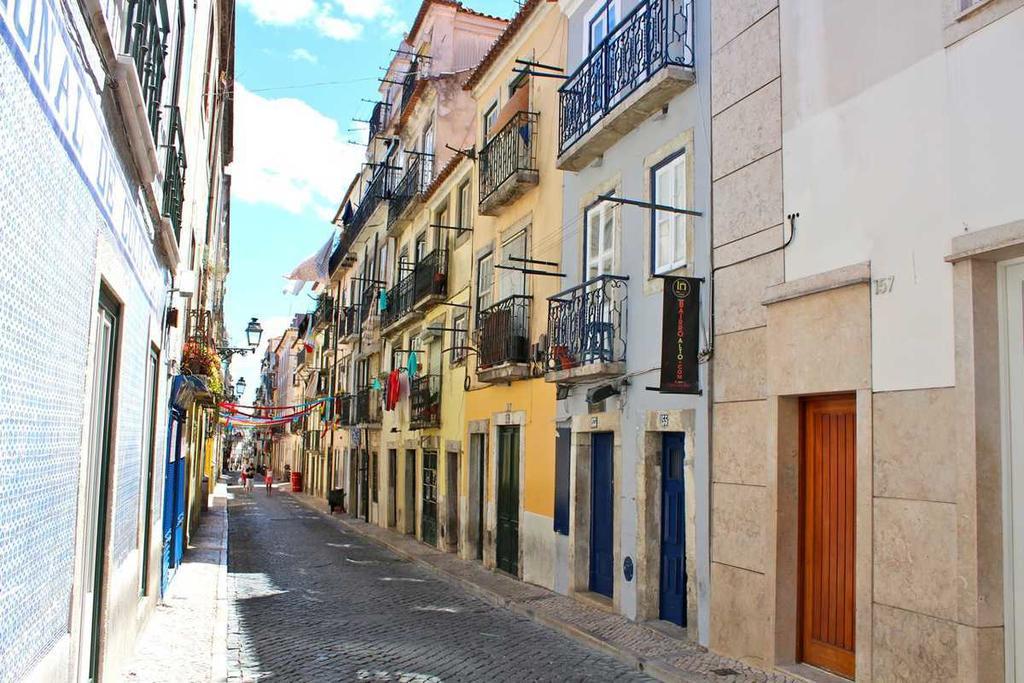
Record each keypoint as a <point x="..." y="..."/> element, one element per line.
<point x="448" y="169"/>
<point x="422" y="14"/>
<point x="504" y="39"/>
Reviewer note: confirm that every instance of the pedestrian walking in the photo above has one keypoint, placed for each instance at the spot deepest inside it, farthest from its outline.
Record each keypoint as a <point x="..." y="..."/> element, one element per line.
<point x="268" y="479"/>
<point x="250" y="474"/>
<point x="242" y="477"/>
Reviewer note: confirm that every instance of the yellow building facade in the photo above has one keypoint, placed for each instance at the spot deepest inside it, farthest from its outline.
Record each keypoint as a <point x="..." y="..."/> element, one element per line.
<point x="509" y="474"/>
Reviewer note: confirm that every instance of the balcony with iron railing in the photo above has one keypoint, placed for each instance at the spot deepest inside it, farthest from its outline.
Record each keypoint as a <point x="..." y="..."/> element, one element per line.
<point x="425" y="402"/>
<point x="504" y="340"/>
<point x="421" y="287"/>
<point x="644" y="62"/>
<point x="508" y="163"/>
<point x="343" y="409"/>
<point x="378" y="119"/>
<point x="408" y="191"/>
<point x="368" y="305"/>
<point x="174" y="173"/>
<point x="324" y="311"/>
<point x="348" y="324"/>
<point x="323" y="383"/>
<point x="377" y="193"/>
<point x="587" y="331"/>
<point x="409" y="83"/>
<point x="367" y="407"/>
<point x="146" y="44"/>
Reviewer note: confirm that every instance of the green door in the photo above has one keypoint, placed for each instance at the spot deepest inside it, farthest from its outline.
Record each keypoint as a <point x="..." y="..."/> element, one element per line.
<point x="429" y="519"/>
<point x="508" y="500"/>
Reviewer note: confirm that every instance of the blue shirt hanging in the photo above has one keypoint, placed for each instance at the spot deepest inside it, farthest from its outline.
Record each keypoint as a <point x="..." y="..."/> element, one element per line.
<point x="413" y="365"/>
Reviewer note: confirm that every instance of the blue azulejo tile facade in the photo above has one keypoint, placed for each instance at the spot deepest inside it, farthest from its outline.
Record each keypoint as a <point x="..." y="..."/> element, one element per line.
<point x="71" y="218"/>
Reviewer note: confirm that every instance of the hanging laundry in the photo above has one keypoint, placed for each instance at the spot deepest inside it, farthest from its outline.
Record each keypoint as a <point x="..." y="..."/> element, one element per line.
<point x="375" y="384"/>
<point x="393" y="389"/>
<point x="383" y="301"/>
<point x="413" y="365"/>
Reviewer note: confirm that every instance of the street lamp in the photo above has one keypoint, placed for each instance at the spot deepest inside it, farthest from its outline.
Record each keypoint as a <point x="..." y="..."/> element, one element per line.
<point x="254" y="331"/>
<point x="240" y="387"/>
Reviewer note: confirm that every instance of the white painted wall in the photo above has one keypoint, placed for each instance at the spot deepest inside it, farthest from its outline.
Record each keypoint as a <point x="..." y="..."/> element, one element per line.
<point x="892" y="145"/>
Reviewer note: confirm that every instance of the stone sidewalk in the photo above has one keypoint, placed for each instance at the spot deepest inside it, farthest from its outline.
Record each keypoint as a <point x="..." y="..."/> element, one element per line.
<point x="646" y="649"/>
<point x="186" y="636"/>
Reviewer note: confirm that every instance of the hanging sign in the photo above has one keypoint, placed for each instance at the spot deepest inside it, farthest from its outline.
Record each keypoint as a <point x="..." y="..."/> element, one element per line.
<point x="679" y="336"/>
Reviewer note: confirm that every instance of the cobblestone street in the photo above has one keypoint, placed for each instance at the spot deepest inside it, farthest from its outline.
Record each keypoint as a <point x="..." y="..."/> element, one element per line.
<point x="312" y="602"/>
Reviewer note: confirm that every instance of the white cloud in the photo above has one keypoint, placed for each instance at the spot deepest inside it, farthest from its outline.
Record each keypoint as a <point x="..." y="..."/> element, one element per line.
<point x="289" y="155"/>
<point x="367" y="9"/>
<point x="338" y="29"/>
<point x="301" y="54"/>
<point x="321" y="15"/>
<point x="280" y="12"/>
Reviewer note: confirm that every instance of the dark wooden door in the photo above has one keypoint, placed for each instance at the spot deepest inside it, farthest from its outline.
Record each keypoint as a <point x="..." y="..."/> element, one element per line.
<point x="364" y="484"/>
<point x="392" y="487"/>
<point x="428" y="531"/>
<point x="602" y="555"/>
<point x="451" y="524"/>
<point x="410" y="492"/>
<point x="508" y="500"/>
<point x="828" y="451"/>
<point x="478" y="487"/>
<point x="673" y="531"/>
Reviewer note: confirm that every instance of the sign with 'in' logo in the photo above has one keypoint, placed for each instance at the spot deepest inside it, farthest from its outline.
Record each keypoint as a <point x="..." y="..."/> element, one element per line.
<point x="679" y="336"/>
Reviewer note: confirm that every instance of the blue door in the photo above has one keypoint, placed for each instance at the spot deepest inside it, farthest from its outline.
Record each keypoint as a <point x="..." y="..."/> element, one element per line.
<point x="174" y="513"/>
<point x="170" y="486"/>
<point x="673" y="533"/>
<point x="601" y="514"/>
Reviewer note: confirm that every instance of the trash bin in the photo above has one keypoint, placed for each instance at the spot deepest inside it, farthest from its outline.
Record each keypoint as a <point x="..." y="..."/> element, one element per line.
<point x="296" y="482"/>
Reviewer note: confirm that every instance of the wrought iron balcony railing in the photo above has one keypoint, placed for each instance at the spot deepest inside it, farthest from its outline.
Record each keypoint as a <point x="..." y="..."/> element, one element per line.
<point x="587" y="324"/>
<point x="324" y="311"/>
<point x="419" y="172"/>
<point x="400" y="301"/>
<point x="656" y="34"/>
<point x="367" y="406"/>
<point x="348" y="322"/>
<point x="174" y="173"/>
<point x="343" y="406"/>
<point x="146" y="42"/>
<point x="379" y="190"/>
<point x="431" y="275"/>
<point x="337" y="256"/>
<point x="504" y="331"/>
<point x="409" y="83"/>
<point x="510" y="151"/>
<point x="427" y="278"/>
<point x="379" y="118"/>
<point x="425" y="402"/>
<point x="368" y="303"/>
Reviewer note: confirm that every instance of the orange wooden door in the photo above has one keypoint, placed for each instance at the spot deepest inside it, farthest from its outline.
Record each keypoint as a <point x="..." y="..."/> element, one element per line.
<point x="827" y="540"/>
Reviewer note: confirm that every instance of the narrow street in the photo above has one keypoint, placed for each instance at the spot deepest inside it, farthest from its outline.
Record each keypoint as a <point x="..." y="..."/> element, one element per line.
<point x="312" y="602"/>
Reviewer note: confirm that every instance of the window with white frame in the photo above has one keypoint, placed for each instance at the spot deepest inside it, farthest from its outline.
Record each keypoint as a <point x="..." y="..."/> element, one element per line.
<point x="464" y="209"/>
<point x="601" y="233"/>
<point x="600" y="22"/>
<point x="459" y="338"/>
<point x="490" y="118"/>
<point x="512" y="282"/>
<point x="668" y="238"/>
<point x="485" y="283"/>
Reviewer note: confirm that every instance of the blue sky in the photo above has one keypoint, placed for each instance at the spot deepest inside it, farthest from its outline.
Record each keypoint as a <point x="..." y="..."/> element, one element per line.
<point x="302" y="69"/>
